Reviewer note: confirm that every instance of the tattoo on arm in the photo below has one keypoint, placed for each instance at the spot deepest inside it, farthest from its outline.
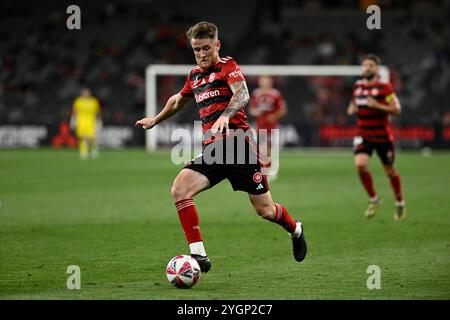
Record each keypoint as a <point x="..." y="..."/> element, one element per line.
<point x="239" y="99"/>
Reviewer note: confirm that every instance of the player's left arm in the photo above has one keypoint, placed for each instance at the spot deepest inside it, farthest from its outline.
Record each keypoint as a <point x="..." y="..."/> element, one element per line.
<point x="240" y="99"/>
<point x="391" y="105"/>
<point x="281" y="112"/>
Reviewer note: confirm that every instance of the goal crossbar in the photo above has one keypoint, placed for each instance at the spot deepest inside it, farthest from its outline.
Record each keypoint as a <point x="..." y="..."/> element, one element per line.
<point x="154" y="70"/>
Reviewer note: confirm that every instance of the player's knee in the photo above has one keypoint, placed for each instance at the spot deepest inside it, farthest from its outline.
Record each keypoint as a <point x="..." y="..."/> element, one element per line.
<point x="179" y="192"/>
<point x="361" y="168"/>
<point x="390" y="172"/>
<point x="265" y="211"/>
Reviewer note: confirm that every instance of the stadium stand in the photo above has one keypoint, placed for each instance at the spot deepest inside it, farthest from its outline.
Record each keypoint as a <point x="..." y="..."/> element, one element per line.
<point x="44" y="65"/>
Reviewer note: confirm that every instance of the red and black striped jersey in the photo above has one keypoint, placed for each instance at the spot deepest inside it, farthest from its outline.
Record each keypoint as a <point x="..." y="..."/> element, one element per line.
<point x="373" y="124"/>
<point x="212" y="93"/>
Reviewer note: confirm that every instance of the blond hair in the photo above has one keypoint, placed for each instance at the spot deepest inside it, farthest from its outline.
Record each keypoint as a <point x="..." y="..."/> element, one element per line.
<point x="203" y="30"/>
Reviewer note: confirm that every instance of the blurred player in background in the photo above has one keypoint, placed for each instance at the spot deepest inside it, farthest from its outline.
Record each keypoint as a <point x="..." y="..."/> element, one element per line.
<point x="268" y="106"/>
<point x="87" y="122"/>
<point x="373" y="102"/>
<point x="221" y="94"/>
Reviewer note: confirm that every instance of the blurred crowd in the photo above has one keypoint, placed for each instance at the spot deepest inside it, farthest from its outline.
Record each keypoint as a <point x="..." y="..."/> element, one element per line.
<point x="44" y="65"/>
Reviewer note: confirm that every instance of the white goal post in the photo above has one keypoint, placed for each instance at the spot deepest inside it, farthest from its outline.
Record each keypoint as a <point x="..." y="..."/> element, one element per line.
<point x="154" y="70"/>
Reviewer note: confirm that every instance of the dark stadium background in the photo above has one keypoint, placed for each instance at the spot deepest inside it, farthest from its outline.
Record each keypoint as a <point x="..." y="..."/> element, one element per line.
<point x="114" y="217"/>
<point x="44" y="65"/>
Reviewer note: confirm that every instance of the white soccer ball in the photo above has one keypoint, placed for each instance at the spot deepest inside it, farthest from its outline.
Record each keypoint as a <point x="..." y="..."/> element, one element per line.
<point x="183" y="271"/>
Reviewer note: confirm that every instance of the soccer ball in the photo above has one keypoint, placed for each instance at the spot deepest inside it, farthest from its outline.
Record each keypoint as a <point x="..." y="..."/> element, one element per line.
<point x="183" y="271"/>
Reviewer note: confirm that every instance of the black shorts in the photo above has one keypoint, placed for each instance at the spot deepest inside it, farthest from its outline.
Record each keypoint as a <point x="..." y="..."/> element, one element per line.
<point x="385" y="150"/>
<point x="242" y="169"/>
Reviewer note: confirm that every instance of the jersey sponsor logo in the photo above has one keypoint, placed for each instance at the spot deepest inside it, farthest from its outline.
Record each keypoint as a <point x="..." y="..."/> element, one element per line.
<point x="235" y="74"/>
<point x="257" y="177"/>
<point x="206" y="95"/>
<point x="361" y="101"/>
<point x="265" y="106"/>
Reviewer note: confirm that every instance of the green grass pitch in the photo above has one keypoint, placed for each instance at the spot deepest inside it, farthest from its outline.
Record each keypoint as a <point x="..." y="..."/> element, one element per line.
<point x="114" y="218"/>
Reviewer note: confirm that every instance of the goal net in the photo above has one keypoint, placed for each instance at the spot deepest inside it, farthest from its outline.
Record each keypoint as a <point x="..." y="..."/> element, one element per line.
<point x="316" y="96"/>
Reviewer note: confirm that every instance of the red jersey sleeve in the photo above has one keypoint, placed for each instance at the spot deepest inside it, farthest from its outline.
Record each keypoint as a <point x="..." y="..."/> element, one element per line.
<point x="388" y="88"/>
<point x="233" y="73"/>
<point x="280" y="102"/>
<point x="389" y="93"/>
<point x="187" y="89"/>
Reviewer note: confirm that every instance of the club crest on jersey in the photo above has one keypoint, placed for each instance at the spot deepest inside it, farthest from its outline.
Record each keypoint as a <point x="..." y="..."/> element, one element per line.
<point x="257" y="177"/>
<point x="212" y="76"/>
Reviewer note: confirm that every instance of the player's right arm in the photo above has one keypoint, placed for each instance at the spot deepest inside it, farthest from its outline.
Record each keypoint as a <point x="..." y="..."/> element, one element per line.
<point x="352" y="108"/>
<point x="254" y="110"/>
<point x="173" y="105"/>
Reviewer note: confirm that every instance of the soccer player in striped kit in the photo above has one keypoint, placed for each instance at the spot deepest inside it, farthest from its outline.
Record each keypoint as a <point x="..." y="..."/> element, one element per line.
<point x="220" y="91"/>
<point x="373" y="103"/>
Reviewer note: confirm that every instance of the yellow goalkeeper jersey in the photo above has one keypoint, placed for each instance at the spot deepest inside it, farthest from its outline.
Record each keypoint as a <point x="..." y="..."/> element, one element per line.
<point x="86" y="110"/>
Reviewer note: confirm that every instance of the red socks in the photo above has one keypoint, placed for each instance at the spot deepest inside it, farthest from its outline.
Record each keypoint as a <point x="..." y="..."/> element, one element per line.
<point x="366" y="179"/>
<point x="189" y="219"/>
<point x="394" y="179"/>
<point x="190" y="222"/>
<point x="284" y="219"/>
<point x="396" y="186"/>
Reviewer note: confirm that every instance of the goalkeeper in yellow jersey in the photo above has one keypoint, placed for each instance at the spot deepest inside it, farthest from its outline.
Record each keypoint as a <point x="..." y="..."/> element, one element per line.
<point x="87" y="123"/>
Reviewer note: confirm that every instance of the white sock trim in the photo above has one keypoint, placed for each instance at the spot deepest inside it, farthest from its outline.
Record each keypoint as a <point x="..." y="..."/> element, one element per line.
<point x="400" y="203"/>
<point x="298" y="230"/>
<point x="197" y="248"/>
